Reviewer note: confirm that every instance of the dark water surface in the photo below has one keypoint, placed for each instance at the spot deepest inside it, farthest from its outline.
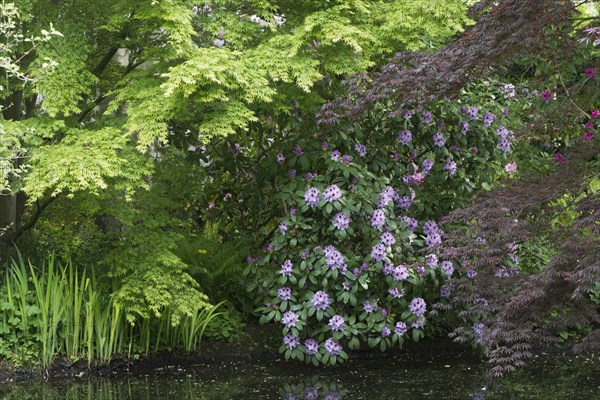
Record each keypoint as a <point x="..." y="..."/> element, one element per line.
<point x="433" y="374"/>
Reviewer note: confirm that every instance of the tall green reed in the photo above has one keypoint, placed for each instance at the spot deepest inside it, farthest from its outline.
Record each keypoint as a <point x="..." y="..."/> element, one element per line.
<point x="59" y="310"/>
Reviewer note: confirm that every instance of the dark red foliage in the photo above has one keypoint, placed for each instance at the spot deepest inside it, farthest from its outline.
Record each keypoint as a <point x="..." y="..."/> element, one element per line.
<point x="504" y="30"/>
<point x="525" y="310"/>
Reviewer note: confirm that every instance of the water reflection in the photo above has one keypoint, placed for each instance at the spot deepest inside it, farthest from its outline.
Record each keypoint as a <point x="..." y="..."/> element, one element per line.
<point x="315" y="389"/>
<point x="377" y="378"/>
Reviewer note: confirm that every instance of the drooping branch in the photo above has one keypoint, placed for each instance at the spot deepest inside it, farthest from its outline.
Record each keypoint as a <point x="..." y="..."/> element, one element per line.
<point x="503" y="30"/>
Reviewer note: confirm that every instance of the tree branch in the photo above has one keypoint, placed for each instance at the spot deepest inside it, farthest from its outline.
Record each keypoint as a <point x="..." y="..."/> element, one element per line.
<point x="34" y="218"/>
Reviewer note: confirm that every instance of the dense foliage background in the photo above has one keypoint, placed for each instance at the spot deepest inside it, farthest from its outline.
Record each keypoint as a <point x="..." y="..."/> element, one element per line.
<point x="357" y="171"/>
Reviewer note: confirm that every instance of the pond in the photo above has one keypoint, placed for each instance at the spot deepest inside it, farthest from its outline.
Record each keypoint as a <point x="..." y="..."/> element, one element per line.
<point x="433" y="373"/>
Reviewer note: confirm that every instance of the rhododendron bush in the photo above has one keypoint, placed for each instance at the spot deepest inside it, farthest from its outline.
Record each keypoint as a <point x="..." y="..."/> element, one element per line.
<point x="353" y="260"/>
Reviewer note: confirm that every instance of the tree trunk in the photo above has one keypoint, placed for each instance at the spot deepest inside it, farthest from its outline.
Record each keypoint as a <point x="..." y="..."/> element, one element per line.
<point x="8" y="226"/>
<point x="11" y="203"/>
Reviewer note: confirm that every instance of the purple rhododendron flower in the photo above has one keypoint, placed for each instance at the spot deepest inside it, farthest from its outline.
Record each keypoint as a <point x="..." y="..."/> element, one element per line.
<point x="471" y="273"/>
<point x="411" y="223"/>
<point x="335" y="155"/>
<point x="334" y="259"/>
<point x="378" y="219"/>
<point x="509" y="90"/>
<point x="427" y="165"/>
<point x="388" y="269"/>
<point x="430" y="227"/>
<point x="433" y="239"/>
<point x="431" y="260"/>
<point x="488" y="119"/>
<point x="504" y="145"/>
<point x="280" y="158"/>
<point x="282" y="227"/>
<point x="346" y="159"/>
<point x="448" y="267"/>
<point x="394" y="292"/>
<point x="332" y="348"/>
<point x="332" y="193"/>
<point x="511" y="167"/>
<point x="385" y="331"/>
<point x="450" y="166"/>
<point x="400" y="273"/>
<point x="404" y="202"/>
<point x="325" y="145"/>
<point x="341" y="221"/>
<point x="439" y="140"/>
<point x="417" y="306"/>
<point x="595" y="114"/>
<point x="292" y="173"/>
<point x="289" y="319"/>
<point x="387" y="238"/>
<point x="407" y="114"/>
<point x="370" y="308"/>
<point x="311" y="346"/>
<point x="386" y="196"/>
<point x="478" y="329"/>
<point x="336" y="323"/>
<point x="418" y="324"/>
<point x="298" y="151"/>
<point x="378" y="252"/>
<point x="286" y="268"/>
<point x="445" y="292"/>
<point x="284" y="293"/>
<point x="361" y="149"/>
<point x="505" y="133"/>
<point x="426" y="118"/>
<point x="463" y="126"/>
<point x="463" y="110"/>
<point x="311" y="197"/>
<point x="291" y="341"/>
<point x="320" y="300"/>
<point x="472" y="112"/>
<point x="400" y="329"/>
<point x="405" y="137"/>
